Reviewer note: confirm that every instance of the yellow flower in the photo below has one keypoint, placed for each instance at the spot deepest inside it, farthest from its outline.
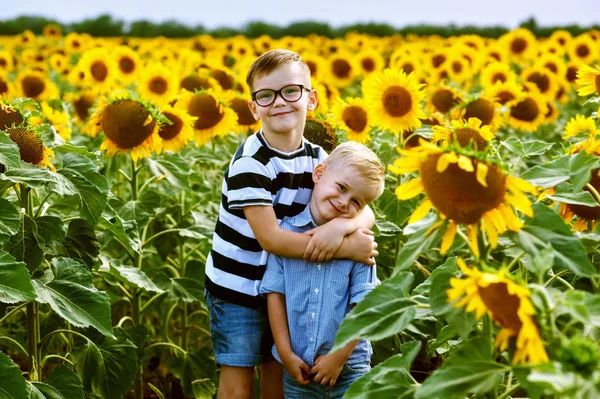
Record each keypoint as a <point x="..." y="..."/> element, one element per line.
<point x="527" y="112"/>
<point x="245" y="119"/>
<point x="175" y="136"/>
<point x="520" y="44"/>
<point x="36" y="85"/>
<point x="352" y="116"/>
<point x="496" y="72"/>
<point x="507" y="303"/>
<point x="31" y="148"/>
<point x="128" y="64"/>
<point x="99" y="70"/>
<point x="393" y="99"/>
<point x="580" y="124"/>
<point x="59" y="119"/>
<point x="465" y="133"/>
<point x="321" y="132"/>
<point x="158" y="84"/>
<point x="588" y="80"/>
<point x="464" y="188"/>
<point x="583" y="49"/>
<point x="483" y="108"/>
<point x="10" y="116"/>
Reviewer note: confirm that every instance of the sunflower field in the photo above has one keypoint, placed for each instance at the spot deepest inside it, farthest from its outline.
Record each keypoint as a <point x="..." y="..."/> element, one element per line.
<point x="112" y="154"/>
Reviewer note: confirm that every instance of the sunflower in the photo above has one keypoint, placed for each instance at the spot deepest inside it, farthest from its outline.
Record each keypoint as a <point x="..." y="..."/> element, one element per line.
<point x="496" y="72"/>
<point x="128" y="125"/>
<point x="507" y="303"/>
<point x="321" y="132"/>
<point x="580" y="124"/>
<point x="393" y="100"/>
<point x="128" y="64"/>
<point x="483" y="108"/>
<point x="552" y="62"/>
<point x="82" y="104"/>
<point x="158" y="84"/>
<point x="588" y="80"/>
<point x="520" y="44"/>
<point x="370" y="61"/>
<point x="342" y="69"/>
<point x="245" y="119"/>
<point x="26" y="38"/>
<point x="74" y="43"/>
<point x="541" y="79"/>
<point x="227" y="80"/>
<point x="7" y="88"/>
<point x="328" y="93"/>
<point x="465" y="133"/>
<point x="175" y="136"/>
<point x="60" y="63"/>
<point x="582" y="49"/>
<point x="502" y="93"/>
<point x="214" y="117"/>
<point x="527" y="112"/>
<point x="561" y="37"/>
<point x="99" y="70"/>
<point x="58" y="119"/>
<point x="457" y="68"/>
<point x="196" y="82"/>
<point x="10" y="116"/>
<point x="442" y="98"/>
<point x="465" y="188"/>
<point x="317" y="65"/>
<point x="352" y="116"/>
<point x="7" y="63"/>
<point x="31" y="148"/>
<point x="36" y="85"/>
<point x="411" y="139"/>
<point x="262" y="44"/>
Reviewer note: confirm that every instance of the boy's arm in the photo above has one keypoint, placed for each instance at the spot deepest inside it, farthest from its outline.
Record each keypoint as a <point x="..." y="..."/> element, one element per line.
<point x="275" y="240"/>
<point x="279" y="325"/>
<point x="328" y="367"/>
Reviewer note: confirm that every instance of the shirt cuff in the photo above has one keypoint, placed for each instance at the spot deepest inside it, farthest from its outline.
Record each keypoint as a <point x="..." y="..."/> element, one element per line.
<point x="359" y="291"/>
<point x="272" y="282"/>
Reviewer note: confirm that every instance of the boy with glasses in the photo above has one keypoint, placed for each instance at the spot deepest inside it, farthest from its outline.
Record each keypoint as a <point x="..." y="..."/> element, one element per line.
<point x="269" y="179"/>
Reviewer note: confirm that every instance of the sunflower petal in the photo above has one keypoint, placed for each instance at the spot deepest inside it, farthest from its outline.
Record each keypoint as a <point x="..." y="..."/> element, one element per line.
<point x="421" y="211"/>
<point x="409" y="190"/>
<point x="465" y="163"/>
<point x="482" y="170"/>
<point x="448" y="237"/>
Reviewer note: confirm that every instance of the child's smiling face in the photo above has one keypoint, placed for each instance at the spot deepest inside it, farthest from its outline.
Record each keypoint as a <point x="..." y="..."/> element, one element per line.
<point x="282" y="117"/>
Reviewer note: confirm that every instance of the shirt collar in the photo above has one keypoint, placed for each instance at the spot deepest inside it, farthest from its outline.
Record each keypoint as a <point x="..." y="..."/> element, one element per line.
<point x="303" y="219"/>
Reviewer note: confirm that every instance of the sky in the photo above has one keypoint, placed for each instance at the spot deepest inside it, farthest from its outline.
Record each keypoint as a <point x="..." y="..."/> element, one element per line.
<point x="235" y="13"/>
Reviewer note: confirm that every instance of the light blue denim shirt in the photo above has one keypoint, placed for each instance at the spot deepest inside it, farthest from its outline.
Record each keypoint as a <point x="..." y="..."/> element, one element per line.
<point x="318" y="296"/>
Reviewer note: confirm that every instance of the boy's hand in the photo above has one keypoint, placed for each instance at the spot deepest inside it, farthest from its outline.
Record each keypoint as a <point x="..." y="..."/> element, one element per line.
<point x="325" y="241"/>
<point x="297" y="368"/>
<point x="363" y="247"/>
<point x="328" y="368"/>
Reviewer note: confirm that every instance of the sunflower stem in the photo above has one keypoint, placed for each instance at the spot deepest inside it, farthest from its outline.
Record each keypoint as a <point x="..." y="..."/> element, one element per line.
<point x="510" y="391"/>
<point x="560" y="279"/>
<point x="39" y="209"/>
<point x="15" y="310"/>
<point x="514" y="262"/>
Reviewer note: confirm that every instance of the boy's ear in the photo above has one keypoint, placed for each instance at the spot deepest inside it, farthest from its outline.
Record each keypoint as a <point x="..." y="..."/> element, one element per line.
<point x="318" y="172"/>
<point x="252" y="107"/>
<point x="313" y="100"/>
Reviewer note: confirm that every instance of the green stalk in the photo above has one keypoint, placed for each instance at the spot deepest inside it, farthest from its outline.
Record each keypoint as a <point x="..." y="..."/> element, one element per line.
<point x="184" y="338"/>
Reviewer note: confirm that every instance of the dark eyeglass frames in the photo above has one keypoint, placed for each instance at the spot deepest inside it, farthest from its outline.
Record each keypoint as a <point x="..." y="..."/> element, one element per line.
<point x="290" y="93"/>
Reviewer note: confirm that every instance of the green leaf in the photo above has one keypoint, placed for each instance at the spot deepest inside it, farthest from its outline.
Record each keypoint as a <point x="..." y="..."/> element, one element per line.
<point x="69" y="291"/>
<point x="462" y="321"/>
<point x="81" y="242"/>
<point x="385" y="311"/>
<point x="576" y="169"/>
<point x="35" y="177"/>
<point x="528" y="148"/>
<point x="50" y="233"/>
<point x="126" y="231"/>
<point x="13" y="385"/>
<point x="548" y="228"/>
<point x="581" y="198"/>
<point x="66" y="382"/>
<point x="39" y="390"/>
<point x="446" y="333"/>
<point x="129" y="274"/>
<point x="418" y="244"/>
<point x="24" y="245"/>
<point x="386" y="381"/>
<point x="470" y="370"/>
<point x="15" y="283"/>
<point x="107" y="370"/>
<point x="10" y="156"/>
<point x="157" y="391"/>
<point x="195" y="379"/>
<point x="173" y="167"/>
<point x="90" y="186"/>
<point x="542" y="262"/>
<point x="134" y="210"/>
<point x="10" y="220"/>
<point x="387" y="229"/>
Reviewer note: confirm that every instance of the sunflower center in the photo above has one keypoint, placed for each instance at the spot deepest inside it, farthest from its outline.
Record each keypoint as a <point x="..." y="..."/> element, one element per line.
<point x="443" y="100"/>
<point x="457" y="66"/>
<point x="438" y="60"/>
<point x="167" y="132"/>
<point x="33" y="86"/>
<point x="502" y="304"/>
<point x="368" y="64"/>
<point x="588" y="212"/>
<point x="583" y="51"/>
<point x="355" y="118"/>
<point x="457" y="193"/>
<point x="99" y="71"/>
<point x="504" y="96"/>
<point x="481" y="109"/>
<point x="123" y="123"/>
<point x="597" y="81"/>
<point x="158" y="85"/>
<point x="499" y="77"/>
<point x="527" y="110"/>
<point x="194" y="82"/>
<point x="571" y="74"/>
<point x="551" y="66"/>
<point x="466" y="136"/>
<point x="83" y="104"/>
<point x="396" y="101"/>
<point x="126" y="64"/>
<point x="541" y="81"/>
<point x="205" y="107"/>
<point x="30" y="145"/>
<point x="245" y="117"/>
<point x="408" y="68"/>
<point x="10" y="118"/>
<point x="312" y="66"/>
<point x="518" y="45"/>
<point x="3" y="62"/>
<point x="224" y="80"/>
<point x="319" y="134"/>
<point x="3" y="86"/>
<point x="341" y="68"/>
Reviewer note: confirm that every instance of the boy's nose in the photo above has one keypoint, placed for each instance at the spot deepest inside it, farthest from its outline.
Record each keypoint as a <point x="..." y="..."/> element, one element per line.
<point x="279" y="100"/>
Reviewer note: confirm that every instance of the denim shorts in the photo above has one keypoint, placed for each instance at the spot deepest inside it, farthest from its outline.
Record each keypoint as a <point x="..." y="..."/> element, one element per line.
<point x="349" y="374"/>
<point x="240" y="336"/>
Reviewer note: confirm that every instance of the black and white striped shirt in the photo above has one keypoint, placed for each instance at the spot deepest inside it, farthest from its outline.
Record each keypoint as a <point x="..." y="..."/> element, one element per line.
<point x="257" y="175"/>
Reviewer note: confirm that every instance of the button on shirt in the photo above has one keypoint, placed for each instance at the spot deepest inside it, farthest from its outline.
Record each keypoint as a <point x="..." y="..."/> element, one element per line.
<point x="317" y="296"/>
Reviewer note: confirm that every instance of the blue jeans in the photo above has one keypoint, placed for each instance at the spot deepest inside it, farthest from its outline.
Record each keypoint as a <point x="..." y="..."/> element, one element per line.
<point x="349" y="374"/>
<point x="240" y="336"/>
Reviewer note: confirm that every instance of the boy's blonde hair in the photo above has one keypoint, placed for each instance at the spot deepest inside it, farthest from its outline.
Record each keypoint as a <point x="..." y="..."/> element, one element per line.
<point x="270" y="61"/>
<point x="365" y="162"/>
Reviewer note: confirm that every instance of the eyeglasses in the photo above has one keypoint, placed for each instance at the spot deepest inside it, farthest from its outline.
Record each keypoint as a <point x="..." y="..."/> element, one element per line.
<point x="290" y="93"/>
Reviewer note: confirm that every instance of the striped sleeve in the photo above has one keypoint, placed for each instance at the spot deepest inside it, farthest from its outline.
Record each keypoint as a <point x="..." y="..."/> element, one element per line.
<point x="249" y="183"/>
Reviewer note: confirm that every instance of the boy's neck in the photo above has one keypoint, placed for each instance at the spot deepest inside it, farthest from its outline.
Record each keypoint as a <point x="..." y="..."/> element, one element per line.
<point x="284" y="142"/>
<point x="312" y="214"/>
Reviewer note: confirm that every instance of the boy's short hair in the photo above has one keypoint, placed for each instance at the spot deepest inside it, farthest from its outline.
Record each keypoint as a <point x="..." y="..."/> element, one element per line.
<point x="270" y="61"/>
<point x="366" y="163"/>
